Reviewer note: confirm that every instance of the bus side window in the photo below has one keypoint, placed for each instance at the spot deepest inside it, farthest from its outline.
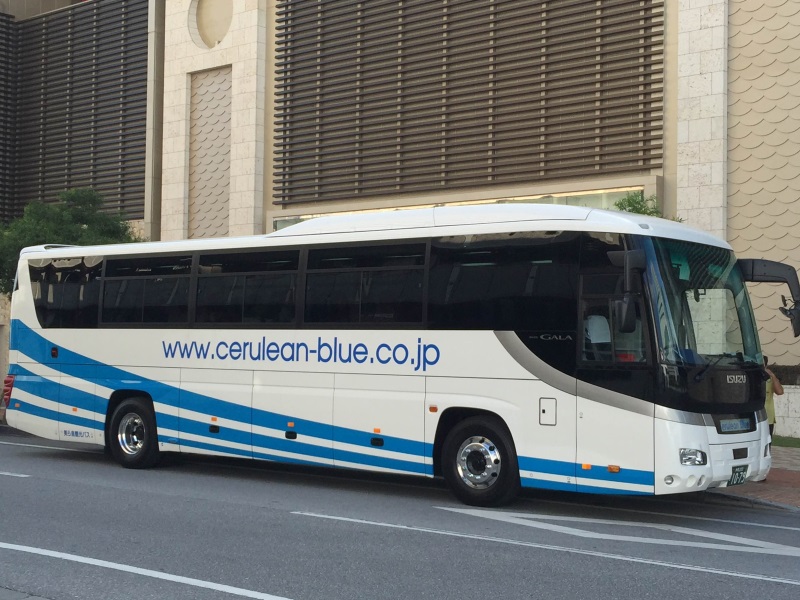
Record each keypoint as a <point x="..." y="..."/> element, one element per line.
<point x="602" y="340"/>
<point x="597" y="337"/>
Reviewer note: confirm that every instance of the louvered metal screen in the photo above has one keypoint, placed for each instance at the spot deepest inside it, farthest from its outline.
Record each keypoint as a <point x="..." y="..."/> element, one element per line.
<point x="389" y="96"/>
<point x="82" y="103"/>
<point x="7" y="118"/>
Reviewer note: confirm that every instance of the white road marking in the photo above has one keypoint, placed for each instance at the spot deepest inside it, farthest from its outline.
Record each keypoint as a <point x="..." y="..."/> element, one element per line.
<point x="50" y="447"/>
<point x="209" y="585"/>
<point x="533" y="520"/>
<point x="13" y="474"/>
<point x="633" y="559"/>
<point x="675" y="516"/>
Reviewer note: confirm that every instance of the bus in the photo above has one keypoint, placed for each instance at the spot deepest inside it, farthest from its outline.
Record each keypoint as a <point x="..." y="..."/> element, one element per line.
<point x="497" y="346"/>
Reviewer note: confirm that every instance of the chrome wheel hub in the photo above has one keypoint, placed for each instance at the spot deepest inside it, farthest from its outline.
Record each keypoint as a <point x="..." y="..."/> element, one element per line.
<point x="478" y="462"/>
<point x="131" y="434"/>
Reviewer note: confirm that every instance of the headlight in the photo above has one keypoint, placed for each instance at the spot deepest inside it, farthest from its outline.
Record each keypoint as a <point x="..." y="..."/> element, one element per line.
<point x="693" y="457"/>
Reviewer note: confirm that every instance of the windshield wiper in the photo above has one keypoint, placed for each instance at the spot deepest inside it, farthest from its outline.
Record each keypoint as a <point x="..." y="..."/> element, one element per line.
<point x="700" y="375"/>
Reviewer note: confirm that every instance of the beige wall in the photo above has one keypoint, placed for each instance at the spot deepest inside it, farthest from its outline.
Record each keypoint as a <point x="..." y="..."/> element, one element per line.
<point x="242" y="48"/>
<point x="210" y="153"/>
<point x="764" y="153"/>
<point x="701" y="113"/>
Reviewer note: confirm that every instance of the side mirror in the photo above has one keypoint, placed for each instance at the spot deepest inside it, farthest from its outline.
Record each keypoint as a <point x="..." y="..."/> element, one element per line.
<point x="760" y="270"/>
<point x="632" y="261"/>
<point x="625" y="314"/>
<point x="794" y="317"/>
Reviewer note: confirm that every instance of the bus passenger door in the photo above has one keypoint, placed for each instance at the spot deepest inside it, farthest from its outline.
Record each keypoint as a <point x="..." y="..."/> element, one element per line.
<point x="292" y="414"/>
<point x="379" y="423"/>
<point x="615" y="421"/>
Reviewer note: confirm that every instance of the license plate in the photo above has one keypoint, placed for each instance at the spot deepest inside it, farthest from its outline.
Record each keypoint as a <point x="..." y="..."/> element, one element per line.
<point x="738" y="476"/>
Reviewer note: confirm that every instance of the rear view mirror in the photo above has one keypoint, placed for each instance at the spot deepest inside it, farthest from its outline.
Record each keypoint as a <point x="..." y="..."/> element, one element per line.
<point x="769" y="271"/>
<point x="625" y="314"/>
<point x="632" y="262"/>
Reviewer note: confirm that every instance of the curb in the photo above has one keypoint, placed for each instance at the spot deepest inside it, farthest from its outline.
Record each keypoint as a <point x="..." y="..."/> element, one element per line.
<point x="752" y="500"/>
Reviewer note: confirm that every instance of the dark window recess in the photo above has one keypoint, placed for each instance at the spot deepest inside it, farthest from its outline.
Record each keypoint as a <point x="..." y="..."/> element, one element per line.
<point x="139" y="266"/>
<point x="364" y="297"/>
<point x="511" y="282"/>
<point x="66" y="291"/>
<point x="249" y="262"/>
<point x="264" y="298"/>
<point x="247" y="287"/>
<point x="595" y="248"/>
<point x="365" y="284"/>
<point x="146" y="300"/>
<point x="363" y="257"/>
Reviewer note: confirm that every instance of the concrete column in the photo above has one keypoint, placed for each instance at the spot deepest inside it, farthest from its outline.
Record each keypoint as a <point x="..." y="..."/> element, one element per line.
<point x="702" y="114"/>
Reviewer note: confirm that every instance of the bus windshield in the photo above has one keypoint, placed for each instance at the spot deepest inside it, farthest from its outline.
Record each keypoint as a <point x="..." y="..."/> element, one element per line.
<point x="701" y="307"/>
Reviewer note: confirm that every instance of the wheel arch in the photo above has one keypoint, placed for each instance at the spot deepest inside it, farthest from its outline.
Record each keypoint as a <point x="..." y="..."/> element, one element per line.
<point x="117" y="398"/>
<point x="449" y="419"/>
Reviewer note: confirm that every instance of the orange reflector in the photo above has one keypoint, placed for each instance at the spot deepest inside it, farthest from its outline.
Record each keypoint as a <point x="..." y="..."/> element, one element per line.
<point x="376" y="430"/>
<point x="290" y="424"/>
<point x="433" y="409"/>
<point x="213" y="419"/>
<point x="74" y="409"/>
<point x="16" y="405"/>
<point x="586" y="467"/>
<point x="613" y="468"/>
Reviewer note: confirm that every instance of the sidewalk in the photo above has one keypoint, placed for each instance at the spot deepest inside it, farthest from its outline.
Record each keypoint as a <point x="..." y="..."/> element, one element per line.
<point x="782" y="486"/>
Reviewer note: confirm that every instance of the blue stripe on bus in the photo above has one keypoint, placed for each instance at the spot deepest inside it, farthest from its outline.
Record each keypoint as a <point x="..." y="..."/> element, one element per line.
<point x="390" y="444"/>
<point x="544" y="484"/>
<point x="591" y="489"/>
<point x="270" y="420"/>
<point x="633" y="476"/>
<point x="114" y="378"/>
<point x="544" y="465"/>
<point x="82" y="367"/>
<point x="210" y="447"/>
<point x="50" y="390"/>
<point x="51" y="415"/>
<point x="568" y="469"/>
<point x="371" y="460"/>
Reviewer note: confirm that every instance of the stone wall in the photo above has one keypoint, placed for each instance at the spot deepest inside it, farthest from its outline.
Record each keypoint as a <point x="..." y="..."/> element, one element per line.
<point x="787" y="412"/>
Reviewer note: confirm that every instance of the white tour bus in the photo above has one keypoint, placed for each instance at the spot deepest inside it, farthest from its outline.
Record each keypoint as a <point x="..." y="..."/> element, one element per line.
<point x="552" y="347"/>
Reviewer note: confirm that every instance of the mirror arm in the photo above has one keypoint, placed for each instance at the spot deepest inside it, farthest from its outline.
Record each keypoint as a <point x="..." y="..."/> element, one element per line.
<point x="758" y="270"/>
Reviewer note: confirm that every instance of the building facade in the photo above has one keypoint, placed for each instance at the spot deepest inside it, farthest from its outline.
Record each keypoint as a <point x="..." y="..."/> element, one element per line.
<point x="237" y="117"/>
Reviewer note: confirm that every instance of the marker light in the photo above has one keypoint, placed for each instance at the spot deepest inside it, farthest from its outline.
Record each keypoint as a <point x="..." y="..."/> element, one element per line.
<point x="693" y="457"/>
<point x="669" y="479"/>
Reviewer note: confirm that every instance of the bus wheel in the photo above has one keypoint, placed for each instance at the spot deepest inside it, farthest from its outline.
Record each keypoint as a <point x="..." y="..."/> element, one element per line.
<point x="132" y="434"/>
<point x="479" y="462"/>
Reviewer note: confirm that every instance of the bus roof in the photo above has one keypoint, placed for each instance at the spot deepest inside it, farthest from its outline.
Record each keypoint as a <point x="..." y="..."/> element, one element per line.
<point x="422" y="222"/>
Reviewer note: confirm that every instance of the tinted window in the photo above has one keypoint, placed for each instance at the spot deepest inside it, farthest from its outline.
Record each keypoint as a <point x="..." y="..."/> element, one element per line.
<point x="523" y="281"/>
<point x="365" y="284"/>
<point x="249" y="262"/>
<point x="66" y="291"/>
<point x="266" y="298"/>
<point x="140" y="266"/>
<point x="247" y="287"/>
<point x="363" y="257"/>
<point x="147" y="290"/>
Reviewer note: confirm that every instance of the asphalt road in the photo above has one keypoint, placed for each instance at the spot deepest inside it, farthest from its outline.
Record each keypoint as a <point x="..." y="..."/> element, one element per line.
<point x="74" y="525"/>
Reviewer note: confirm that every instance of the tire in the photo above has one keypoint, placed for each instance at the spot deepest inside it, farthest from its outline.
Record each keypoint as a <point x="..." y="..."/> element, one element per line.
<point x="479" y="462"/>
<point x="132" y="434"/>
